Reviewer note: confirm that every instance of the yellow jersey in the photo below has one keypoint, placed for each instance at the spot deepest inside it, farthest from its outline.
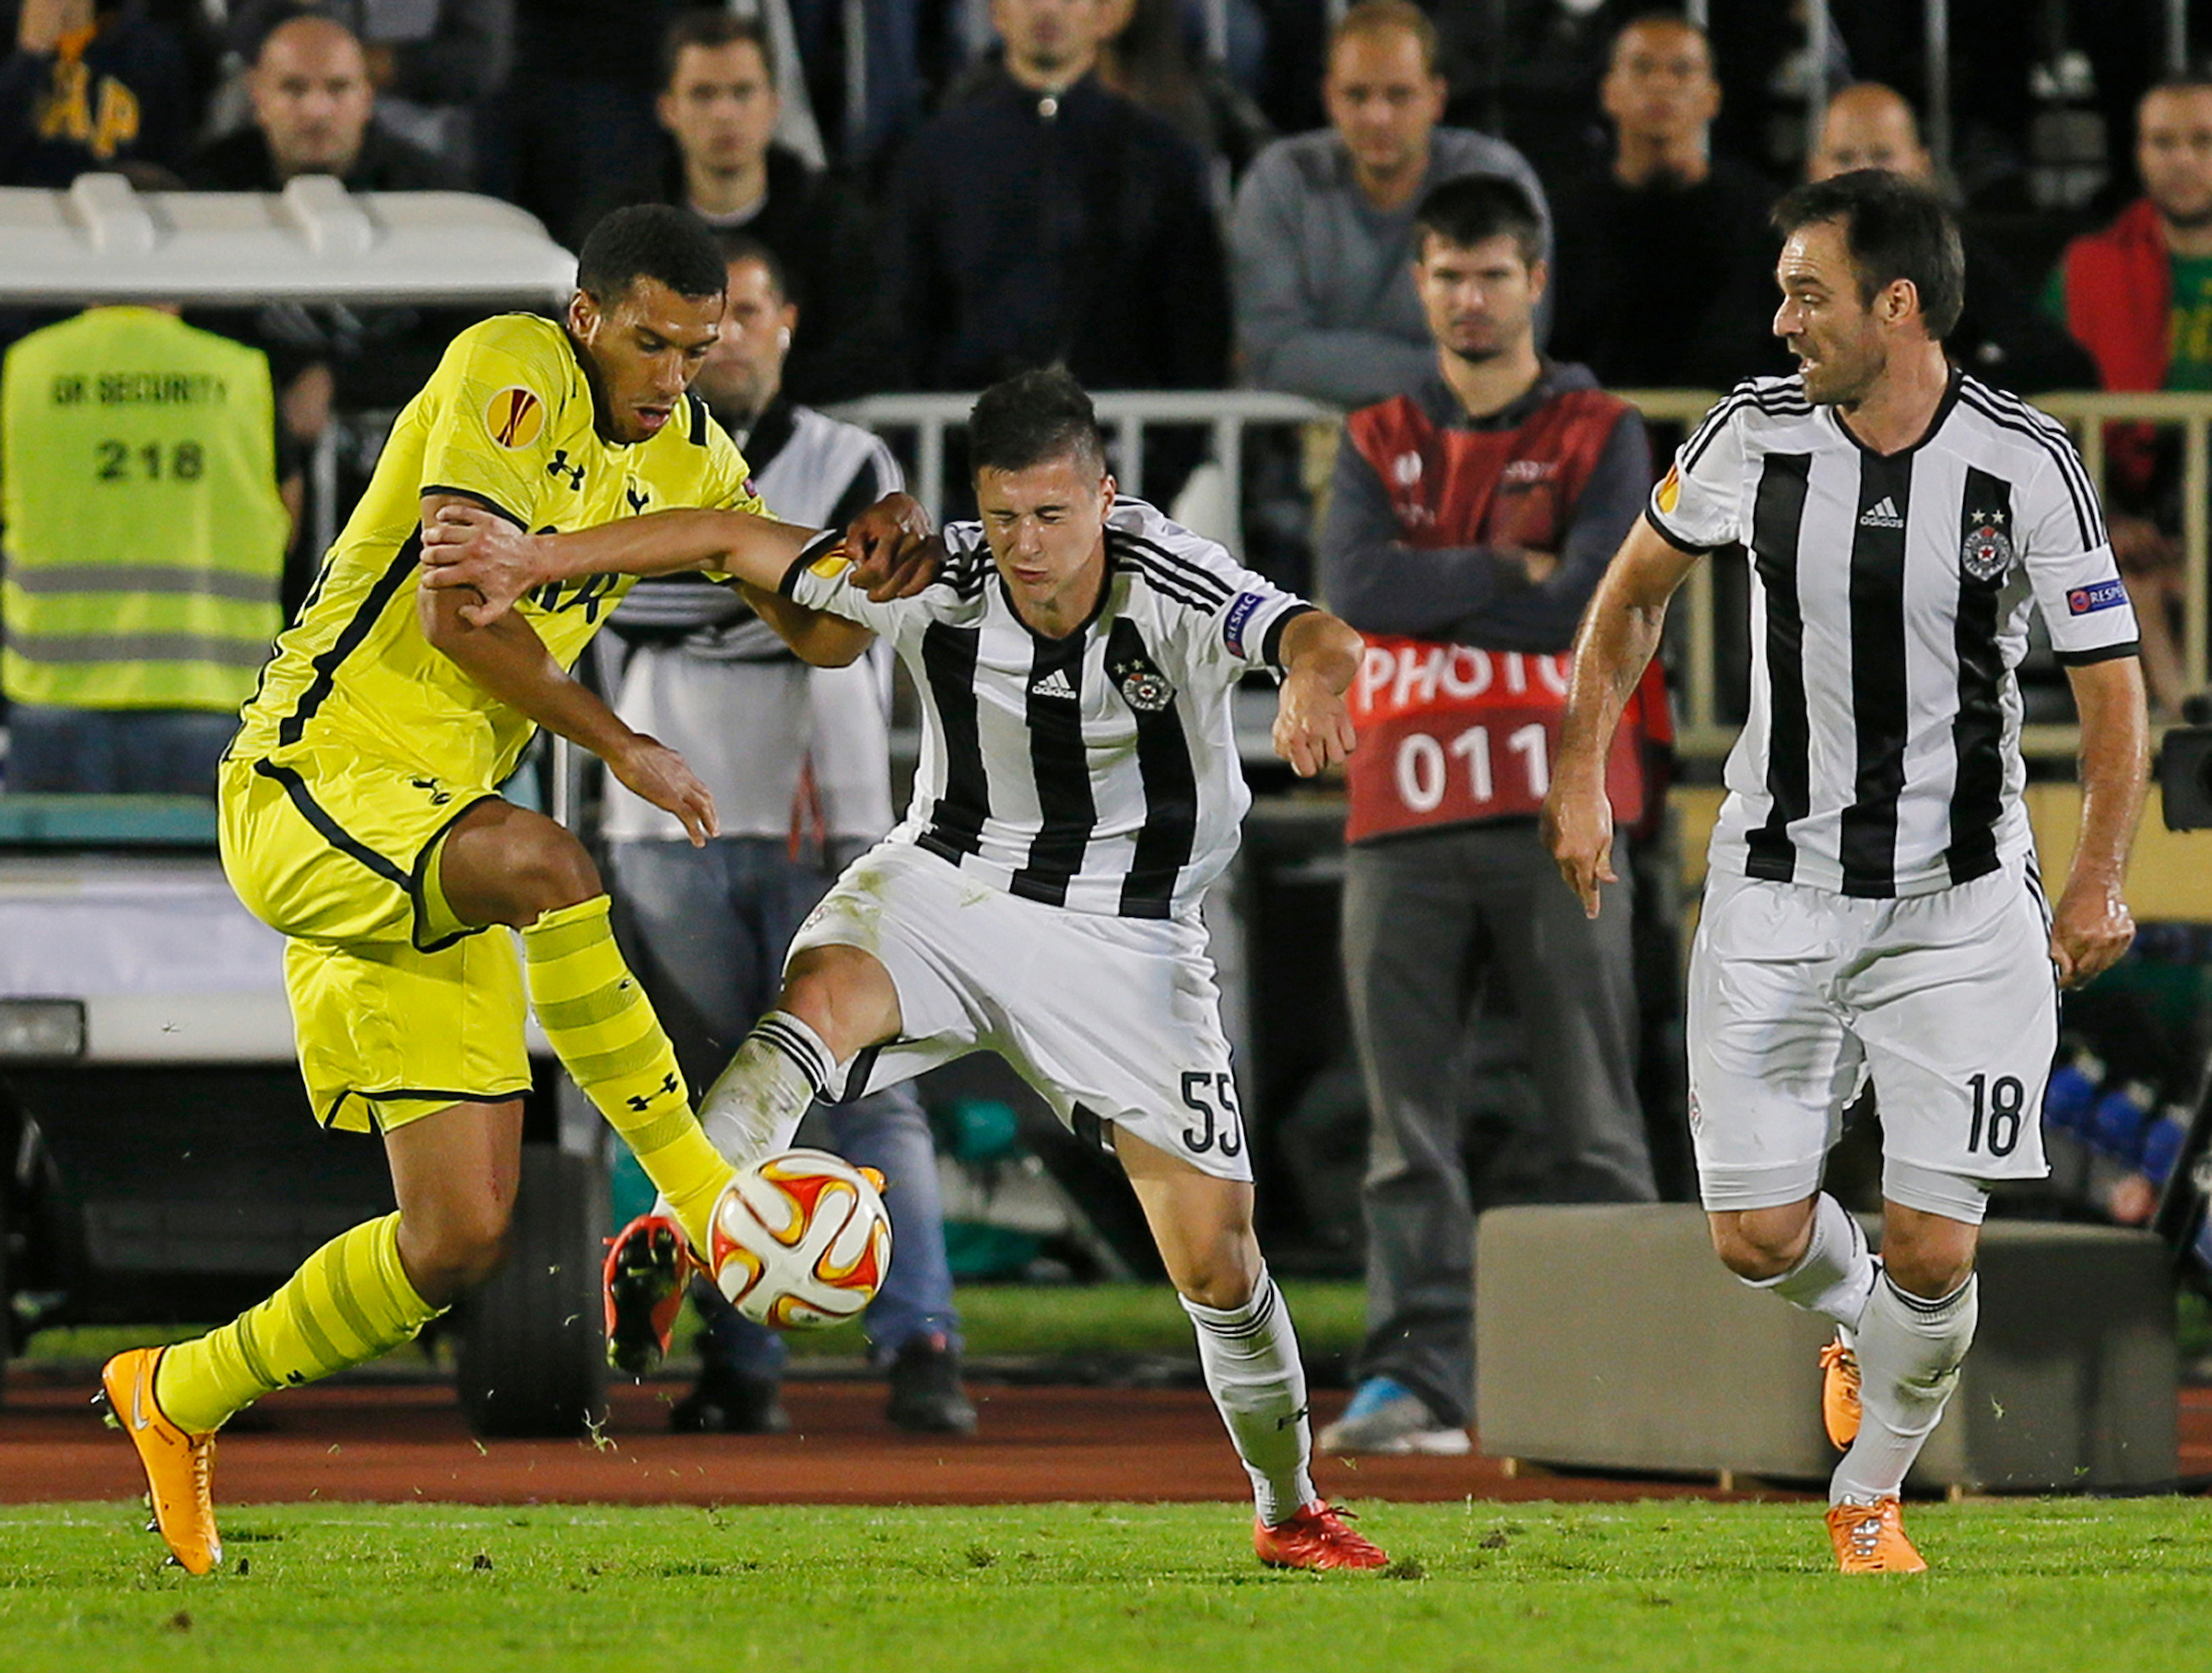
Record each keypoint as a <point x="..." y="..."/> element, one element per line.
<point x="507" y="419"/>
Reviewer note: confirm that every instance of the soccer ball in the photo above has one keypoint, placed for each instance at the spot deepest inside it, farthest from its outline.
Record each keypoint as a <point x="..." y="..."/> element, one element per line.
<point x="801" y="1240"/>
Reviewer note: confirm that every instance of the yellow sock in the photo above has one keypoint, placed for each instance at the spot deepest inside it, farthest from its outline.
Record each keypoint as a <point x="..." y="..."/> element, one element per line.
<point x="349" y="1303"/>
<point x="602" y="1029"/>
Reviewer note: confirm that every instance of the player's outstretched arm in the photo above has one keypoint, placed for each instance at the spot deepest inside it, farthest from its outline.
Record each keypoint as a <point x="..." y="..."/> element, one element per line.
<point x="1619" y="633"/>
<point x="509" y="660"/>
<point x="2091" y="926"/>
<point x="1313" y="727"/>
<point x="466" y="546"/>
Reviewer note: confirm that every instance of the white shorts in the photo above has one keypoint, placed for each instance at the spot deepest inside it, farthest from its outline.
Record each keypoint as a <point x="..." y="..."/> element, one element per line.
<point x="1116" y="1021"/>
<point x="1949" y="1001"/>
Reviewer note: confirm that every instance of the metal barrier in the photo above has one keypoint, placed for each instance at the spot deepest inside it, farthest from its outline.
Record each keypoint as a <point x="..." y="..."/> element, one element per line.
<point x="1126" y="418"/>
<point x="1703" y="731"/>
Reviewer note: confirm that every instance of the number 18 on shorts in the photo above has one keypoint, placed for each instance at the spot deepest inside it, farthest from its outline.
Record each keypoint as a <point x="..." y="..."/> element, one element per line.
<point x="1947" y="1001"/>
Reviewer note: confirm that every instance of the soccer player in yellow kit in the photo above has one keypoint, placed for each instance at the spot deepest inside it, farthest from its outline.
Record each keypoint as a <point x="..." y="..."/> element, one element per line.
<point x="361" y="816"/>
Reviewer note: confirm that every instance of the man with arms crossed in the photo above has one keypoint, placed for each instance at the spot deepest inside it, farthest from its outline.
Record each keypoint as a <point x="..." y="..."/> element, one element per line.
<point x="1872" y="906"/>
<point x="1079" y="787"/>
<point x="360" y="817"/>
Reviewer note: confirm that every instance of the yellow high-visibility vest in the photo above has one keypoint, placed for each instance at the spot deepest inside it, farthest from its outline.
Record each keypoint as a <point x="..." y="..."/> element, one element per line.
<point x="144" y="535"/>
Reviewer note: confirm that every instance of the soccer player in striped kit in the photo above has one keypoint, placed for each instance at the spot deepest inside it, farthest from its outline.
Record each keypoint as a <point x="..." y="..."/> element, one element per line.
<point x="1872" y="907"/>
<point x="1076" y="656"/>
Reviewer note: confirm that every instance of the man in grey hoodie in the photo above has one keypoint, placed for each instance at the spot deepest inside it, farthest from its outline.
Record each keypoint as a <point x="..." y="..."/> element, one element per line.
<point x="1321" y="242"/>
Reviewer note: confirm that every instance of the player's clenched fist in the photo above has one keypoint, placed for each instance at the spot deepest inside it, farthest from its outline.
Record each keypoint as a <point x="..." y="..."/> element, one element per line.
<point x="1578" y="828"/>
<point x="893" y="548"/>
<point x="2089" y="930"/>
<point x="1313" y="727"/>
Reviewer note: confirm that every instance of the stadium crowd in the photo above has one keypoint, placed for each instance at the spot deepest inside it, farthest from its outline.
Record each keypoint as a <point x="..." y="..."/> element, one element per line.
<point x="1080" y="183"/>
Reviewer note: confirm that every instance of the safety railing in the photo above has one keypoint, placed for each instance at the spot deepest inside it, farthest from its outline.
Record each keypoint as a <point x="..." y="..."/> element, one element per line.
<point x="922" y="424"/>
<point x="1704" y="731"/>
<point x="1126" y="417"/>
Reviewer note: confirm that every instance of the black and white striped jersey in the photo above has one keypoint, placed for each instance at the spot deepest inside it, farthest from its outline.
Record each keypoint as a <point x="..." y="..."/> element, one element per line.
<point x="711" y="680"/>
<point x="1890" y="609"/>
<point x="1096" y="772"/>
<point x="810" y="469"/>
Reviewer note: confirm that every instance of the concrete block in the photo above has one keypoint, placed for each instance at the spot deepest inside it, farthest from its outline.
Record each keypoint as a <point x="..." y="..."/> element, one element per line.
<point x="1609" y="1337"/>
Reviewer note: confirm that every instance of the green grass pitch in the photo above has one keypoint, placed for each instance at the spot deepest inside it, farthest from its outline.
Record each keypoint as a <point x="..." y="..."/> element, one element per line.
<point x="2019" y="1586"/>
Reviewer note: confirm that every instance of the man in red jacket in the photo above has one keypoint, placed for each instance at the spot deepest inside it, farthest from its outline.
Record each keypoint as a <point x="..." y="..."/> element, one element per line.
<point x="2138" y="296"/>
<point x="1469" y="521"/>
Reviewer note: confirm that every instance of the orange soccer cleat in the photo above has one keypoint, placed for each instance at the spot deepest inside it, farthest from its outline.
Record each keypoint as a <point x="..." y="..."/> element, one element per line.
<point x="180" y="1467"/>
<point x="647" y="1263"/>
<point x="1840" y="1392"/>
<point x="1317" y="1537"/>
<point x="1870" y="1539"/>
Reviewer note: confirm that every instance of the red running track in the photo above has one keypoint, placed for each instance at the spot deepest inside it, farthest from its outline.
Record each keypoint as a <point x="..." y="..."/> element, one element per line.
<point x="390" y="1442"/>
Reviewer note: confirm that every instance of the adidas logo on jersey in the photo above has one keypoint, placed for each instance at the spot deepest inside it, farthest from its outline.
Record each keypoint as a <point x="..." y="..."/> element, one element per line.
<point x="1053" y="685"/>
<point x="1882" y="513"/>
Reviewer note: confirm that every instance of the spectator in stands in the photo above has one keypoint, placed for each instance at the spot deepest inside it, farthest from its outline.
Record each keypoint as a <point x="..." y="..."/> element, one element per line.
<point x="313" y="108"/>
<point x="1145" y="56"/>
<point x="574" y="126"/>
<point x="1322" y="232"/>
<point x="719" y="106"/>
<point x="1665" y="259"/>
<point x="429" y="63"/>
<point x="797" y="761"/>
<point x="1047" y="219"/>
<point x="2138" y="296"/>
<point x="90" y="87"/>
<point x="1469" y="521"/>
<point x="139" y="480"/>
<point x="2002" y="338"/>
<point x="313" y="114"/>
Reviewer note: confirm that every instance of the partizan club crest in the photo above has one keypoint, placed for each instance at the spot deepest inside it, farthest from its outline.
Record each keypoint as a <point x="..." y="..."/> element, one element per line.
<point x="1986" y="553"/>
<point x="1143" y="687"/>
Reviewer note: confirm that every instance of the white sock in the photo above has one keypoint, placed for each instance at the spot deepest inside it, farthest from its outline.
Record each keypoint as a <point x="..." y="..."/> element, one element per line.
<point x="1910" y="1352"/>
<point x="1836" y="1274"/>
<point x="1249" y="1357"/>
<point x="756" y="1103"/>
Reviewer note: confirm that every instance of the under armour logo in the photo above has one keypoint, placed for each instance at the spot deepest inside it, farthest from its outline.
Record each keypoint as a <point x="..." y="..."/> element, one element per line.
<point x="637" y="501"/>
<point x="641" y="1101"/>
<point x="437" y="798"/>
<point x="1295" y="1418"/>
<point x="559" y="465"/>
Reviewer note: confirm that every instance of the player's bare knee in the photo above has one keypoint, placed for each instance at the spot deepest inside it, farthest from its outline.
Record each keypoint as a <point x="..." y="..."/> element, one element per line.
<point x="1222" y="1276"/>
<point x="1762" y="1243"/>
<point x="457" y="1250"/>
<point x="1223" y="1288"/>
<point x="551" y="871"/>
<point x="1928" y="1270"/>
<point x="844" y="994"/>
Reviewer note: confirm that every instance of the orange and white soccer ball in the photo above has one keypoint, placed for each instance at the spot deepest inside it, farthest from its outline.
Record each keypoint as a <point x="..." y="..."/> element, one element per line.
<point x="801" y="1240"/>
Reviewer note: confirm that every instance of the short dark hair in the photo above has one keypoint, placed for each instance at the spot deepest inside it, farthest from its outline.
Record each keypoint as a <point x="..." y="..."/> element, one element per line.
<point x="1894" y="230"/>
<point x="1475" y="208"/>
<point x="744" y="247"/>
<point x="1031" y="417"/>
<point x="655" y="241"/>
<point x="702" y="27"/>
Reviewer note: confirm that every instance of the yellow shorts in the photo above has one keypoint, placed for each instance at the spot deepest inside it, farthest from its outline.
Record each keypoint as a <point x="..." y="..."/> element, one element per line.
<point x="398" y="1008"/>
